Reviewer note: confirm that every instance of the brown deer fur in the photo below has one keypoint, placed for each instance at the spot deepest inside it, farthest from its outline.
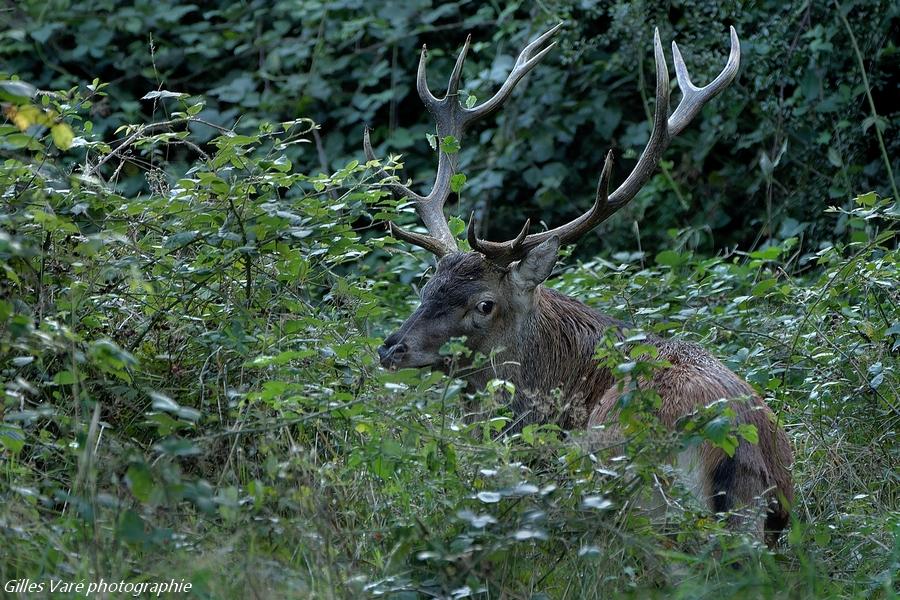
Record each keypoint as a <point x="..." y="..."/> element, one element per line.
<point x="548" y="342"/>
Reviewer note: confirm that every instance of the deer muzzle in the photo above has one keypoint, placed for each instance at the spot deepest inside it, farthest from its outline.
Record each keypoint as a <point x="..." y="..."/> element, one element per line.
<point x="391" y="353"/>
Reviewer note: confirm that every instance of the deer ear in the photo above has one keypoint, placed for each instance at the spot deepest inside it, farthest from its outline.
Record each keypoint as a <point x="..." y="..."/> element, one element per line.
<point x="537" y="265"/>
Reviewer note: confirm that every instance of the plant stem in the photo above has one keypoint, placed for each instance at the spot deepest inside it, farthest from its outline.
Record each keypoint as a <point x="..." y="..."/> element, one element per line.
<point x="865" y="79"/>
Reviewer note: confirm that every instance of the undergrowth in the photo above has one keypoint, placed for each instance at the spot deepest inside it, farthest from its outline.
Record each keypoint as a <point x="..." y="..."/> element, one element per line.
<point x="190" y="389"/>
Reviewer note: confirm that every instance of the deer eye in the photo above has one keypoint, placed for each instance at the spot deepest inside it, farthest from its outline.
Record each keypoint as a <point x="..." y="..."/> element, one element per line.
<point x="485" y="307"/>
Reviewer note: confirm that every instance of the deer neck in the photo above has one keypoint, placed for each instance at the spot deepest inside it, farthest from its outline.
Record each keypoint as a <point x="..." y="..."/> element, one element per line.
<point x="549" y="358"/>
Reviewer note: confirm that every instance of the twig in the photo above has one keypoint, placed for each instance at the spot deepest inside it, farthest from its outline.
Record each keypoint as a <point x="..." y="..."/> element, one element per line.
<point x="323" y="161"/>
<point x="278" y="425"/>
<point x="143" y="129"/>
<point x="865" y="79"/>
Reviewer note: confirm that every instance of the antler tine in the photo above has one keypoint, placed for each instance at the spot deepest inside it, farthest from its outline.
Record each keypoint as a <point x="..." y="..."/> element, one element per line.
<point x="490" y="248"/>
<point x="664" y="129"/>
<point x="659" y="135"/>
<point x="428" y="99"/>
<point x="453" y="85"/>
<point x="451" y="119"/>
<point x="440" y="243"/>
<point x="524" y="63"/>
<point x="417" y="239"/>
<point x="506" y="252"/>
<point x="693" y="98"/>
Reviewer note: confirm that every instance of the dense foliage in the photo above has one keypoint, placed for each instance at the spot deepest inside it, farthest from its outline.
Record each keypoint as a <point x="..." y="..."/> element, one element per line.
<point x="796" y="132"/>
<point x="194" y="282"/>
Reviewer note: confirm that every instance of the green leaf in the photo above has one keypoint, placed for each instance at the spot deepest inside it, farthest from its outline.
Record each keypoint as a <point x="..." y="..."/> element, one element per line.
<point x="62" y="136"/>
<point x="23" y="140"/>
<point x="178" y="447"/>
<point x="763" y="286"/>
<point x="450" y="145"/>
<point x="382" y="467"/>
<point x="165" y="424"/>
<point x="139" y="481"/>
<point x="822" y="536"/>
<point x="528" y="434"/>
<point x="877" y="372"/>
<point x="880" y="122"/>
<point x="719" y="433"/>
<point x="834" y="158"/>
<point x="12" y="438"/>
<point x="64" y="378"/>
<point x="640" y="350"/>
<point x="188" y="414"/>
<point x="272" y="390"/>
<point x="670" y="258"/>
<point x="729" y="445"/>
<point x="163" y="94"/>
<point x="766" y="166"/>
<point x="132" y="528"/>
<point x="16" y="91"/>
<point x="457" y="226"/>
<point x="163" y="402"/>
<point x="769" y="253"/>
<point x="457" y="182"/>
<point x="749" y="432"/>
<point x="180" y="239"/>
<point x="716" y="430"/>
<point x="867" y="200"/>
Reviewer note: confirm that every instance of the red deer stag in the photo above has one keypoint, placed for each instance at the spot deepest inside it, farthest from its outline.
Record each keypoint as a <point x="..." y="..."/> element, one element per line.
<point x="544" y="342"/>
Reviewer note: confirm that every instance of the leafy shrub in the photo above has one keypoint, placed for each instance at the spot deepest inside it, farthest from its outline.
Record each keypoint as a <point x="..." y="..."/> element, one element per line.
<point x="191" y="299"/>
<point x="190" y="388"/>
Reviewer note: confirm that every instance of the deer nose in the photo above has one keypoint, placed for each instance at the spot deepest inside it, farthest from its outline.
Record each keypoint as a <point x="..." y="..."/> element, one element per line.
<point x="391" y="353"/>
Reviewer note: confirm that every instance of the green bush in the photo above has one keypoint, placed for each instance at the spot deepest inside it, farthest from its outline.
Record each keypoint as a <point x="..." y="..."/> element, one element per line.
<point x="192" y="291"/>
<point x="191" y="387"/>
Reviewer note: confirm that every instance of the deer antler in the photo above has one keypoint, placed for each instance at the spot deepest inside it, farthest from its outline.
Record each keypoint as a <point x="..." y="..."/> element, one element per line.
<point x="665" y="128"/>
<point x="452" y="119"/>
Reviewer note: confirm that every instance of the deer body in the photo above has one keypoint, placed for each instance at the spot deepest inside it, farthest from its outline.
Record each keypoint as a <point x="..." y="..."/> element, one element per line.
<point x="544" y="342"/>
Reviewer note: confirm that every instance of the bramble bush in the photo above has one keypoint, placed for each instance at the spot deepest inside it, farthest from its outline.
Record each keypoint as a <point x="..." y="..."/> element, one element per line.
<point x="191" y="388"/>
<point x="189" y="312"/>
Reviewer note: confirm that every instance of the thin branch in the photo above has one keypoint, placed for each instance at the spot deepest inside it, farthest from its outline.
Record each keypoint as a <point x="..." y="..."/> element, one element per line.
<point x="865" y="79"/>
<point x="142" y="130"/>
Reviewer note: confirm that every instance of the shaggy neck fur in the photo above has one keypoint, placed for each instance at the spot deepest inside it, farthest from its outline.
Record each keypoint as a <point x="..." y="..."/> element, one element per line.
<point x="556" y="377"/>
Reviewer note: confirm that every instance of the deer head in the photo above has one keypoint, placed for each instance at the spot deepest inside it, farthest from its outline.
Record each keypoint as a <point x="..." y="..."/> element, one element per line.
<point x="474" y="297"/>
<point x="489" y="294"/>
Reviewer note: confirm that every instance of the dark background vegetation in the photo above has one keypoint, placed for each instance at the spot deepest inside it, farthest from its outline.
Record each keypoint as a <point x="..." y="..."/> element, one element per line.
<point x="793" y="135"/>
<point x="195" y="275"/>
